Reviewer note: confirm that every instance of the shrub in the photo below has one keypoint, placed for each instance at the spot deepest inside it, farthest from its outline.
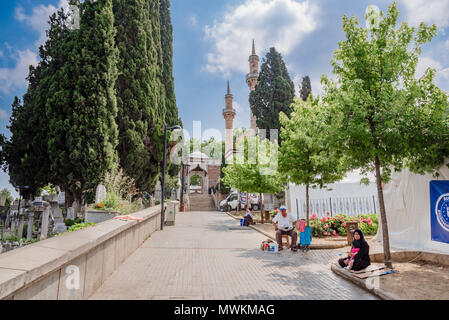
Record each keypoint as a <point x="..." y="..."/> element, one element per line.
<point x="80" y="226"/>
<point x="336" y="226"/>
<point x="69" y="222"/>
<point x="78" y="220"/>
<point x="112" y="200"/>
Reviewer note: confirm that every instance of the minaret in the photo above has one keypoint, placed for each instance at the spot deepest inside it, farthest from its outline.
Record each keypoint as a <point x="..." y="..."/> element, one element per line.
<point x="229" y="114"/>
<point x="252" y="79"/>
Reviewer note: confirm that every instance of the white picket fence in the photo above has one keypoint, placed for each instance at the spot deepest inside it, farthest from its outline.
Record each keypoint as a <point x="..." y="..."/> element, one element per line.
<point x="335" y="206"/>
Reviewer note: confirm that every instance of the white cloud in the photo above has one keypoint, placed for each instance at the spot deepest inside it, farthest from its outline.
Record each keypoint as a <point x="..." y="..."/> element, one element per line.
<point x="442" y="75"/>
<point x="15" y="77"/>
<point x="428" y="11"/>
<point x="278" y="23"/>
<point x="39" y="17"/>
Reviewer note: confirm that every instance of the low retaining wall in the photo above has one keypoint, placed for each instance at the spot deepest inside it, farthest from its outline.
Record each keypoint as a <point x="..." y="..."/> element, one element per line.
<point x="413" y="256"/>
<point x="73" y="265"/>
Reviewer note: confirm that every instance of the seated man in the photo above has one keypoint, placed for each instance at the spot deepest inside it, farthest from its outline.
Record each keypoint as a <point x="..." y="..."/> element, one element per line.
<point x="285" y="224"/>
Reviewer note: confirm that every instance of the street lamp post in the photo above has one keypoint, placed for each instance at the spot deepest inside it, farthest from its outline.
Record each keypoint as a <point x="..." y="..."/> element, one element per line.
<point x="164" y="167"/>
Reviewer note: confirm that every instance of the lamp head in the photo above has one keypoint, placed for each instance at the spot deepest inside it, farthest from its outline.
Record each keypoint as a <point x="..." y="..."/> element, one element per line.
<point x="174" y="128"/>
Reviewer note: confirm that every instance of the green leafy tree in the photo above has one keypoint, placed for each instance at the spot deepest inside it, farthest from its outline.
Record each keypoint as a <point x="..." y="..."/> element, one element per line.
<point x="307" y="156"/>
<point x="384" y="117"/>
<point x="195" y="181"/>
<point x="140" y="92"/>
<point x="82" y="108"/>
<point x="306" y="88"/>
<point x="273" y="94"/>
<point x="8" y="197"/>
<point x="254" y="169"/>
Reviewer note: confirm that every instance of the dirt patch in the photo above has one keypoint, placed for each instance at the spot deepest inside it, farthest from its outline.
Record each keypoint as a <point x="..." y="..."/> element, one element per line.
<point x="417" y="281"/>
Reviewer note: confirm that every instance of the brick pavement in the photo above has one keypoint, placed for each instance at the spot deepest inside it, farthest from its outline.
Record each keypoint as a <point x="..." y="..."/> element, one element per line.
<point x="208" y="256"/>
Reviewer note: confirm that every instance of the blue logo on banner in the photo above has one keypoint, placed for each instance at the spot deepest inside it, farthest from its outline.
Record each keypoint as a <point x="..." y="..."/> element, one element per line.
<point x="439" y="206"/>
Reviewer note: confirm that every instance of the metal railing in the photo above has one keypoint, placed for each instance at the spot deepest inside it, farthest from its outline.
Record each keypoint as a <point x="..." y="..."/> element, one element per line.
<point x="335" y="206"/>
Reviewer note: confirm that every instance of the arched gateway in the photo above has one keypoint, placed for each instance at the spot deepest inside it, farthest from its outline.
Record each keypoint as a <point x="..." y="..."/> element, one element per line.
<point x="207" y="169"/>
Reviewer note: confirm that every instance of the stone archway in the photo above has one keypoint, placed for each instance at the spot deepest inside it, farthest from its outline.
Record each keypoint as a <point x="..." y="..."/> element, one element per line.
<point x="204" y="181"/>
<point x="194" y="186"/>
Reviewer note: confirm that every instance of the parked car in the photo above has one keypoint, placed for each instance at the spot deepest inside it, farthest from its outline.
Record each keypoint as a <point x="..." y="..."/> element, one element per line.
<point x="235" y="199"/>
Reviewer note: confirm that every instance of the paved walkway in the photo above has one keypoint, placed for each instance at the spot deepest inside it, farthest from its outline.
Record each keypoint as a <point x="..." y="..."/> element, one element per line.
<point x="208" y="256"/>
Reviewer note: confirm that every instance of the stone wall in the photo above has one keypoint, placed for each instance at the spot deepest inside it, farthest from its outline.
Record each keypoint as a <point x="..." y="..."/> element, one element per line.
<point x="73" y="265"/>
<point x="214" y="175"/>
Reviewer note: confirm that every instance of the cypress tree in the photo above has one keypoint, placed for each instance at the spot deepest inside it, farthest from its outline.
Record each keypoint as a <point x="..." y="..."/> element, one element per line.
<point x="25" y="155"/>
<point x="172" y="117"/>
<point x="83" y="133"/>
<point x="171" y="109"/>
<point x="306" y="88"/>
<point x="273" y="94"/>
<point x="139" y="90"/>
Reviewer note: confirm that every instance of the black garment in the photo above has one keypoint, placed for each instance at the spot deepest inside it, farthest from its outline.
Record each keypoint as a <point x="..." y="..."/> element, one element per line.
<point x="361" y="259"/>
<point x="248" y="221"/>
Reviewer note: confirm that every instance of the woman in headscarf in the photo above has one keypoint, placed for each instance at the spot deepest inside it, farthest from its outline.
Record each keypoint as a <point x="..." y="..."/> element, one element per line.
<point x="249" y="218"/>
<point x="358" y="258"/>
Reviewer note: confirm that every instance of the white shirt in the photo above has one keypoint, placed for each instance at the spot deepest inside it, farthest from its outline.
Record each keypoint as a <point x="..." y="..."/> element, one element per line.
<point x="285" y="224"/>
<point x="249" y="214"/>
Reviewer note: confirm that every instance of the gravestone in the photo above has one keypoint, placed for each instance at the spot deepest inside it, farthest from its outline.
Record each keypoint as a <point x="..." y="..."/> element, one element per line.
<point x="2" y="200"/>
<point x="75" y="206"/>
<point x="71" y="213"/>
<point x="140" y="203"/>
<point x="45" y="218"/>
<point x="61" y="227"/>
<point x="61" y="199"/>
<point x="100" y="194"/>
<point x="30" y="225"/>
<point x="21" y="218"/>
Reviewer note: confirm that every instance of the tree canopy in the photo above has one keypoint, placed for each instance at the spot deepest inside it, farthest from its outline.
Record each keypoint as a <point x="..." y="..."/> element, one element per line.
<point x="307" y="156"/>
<point x="273" y="94"/>
<point x="384" y="118"/>
<point x="255" y="169"/>
<point x="305" y="88"/>
<point x="97" y="100"/>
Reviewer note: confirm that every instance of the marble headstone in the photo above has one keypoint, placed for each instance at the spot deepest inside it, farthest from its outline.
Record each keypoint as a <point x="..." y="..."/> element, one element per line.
<point x="70" y="213"/>
<point x="100" y="194"/>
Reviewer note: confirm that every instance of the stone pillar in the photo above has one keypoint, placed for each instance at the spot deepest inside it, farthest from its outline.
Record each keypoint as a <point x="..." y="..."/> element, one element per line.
<point x="57" y="215"/>
<point x="30" y="225"/>
<point x="8" y="220"/>
<point x="13" y="221"/>
<point x="21" y="219"/>
<point x="44" y="224"/>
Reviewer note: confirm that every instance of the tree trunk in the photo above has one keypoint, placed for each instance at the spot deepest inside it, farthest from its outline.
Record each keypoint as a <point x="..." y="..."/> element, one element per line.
<point x="383" y="216"/>
<point x="307" y="206"/>
<point x="261" y="209"/>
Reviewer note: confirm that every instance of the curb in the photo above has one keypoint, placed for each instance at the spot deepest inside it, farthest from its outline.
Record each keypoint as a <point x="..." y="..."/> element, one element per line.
<point x="312" y="247"/>
<point x="382" y="294"/>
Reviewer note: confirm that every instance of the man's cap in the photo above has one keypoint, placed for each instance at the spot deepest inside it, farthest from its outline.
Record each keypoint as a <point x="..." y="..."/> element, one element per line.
<point x="283" y="208"/>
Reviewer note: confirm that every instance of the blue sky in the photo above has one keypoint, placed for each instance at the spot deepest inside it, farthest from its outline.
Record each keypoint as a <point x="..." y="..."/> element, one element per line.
<point x="212" y="42"/>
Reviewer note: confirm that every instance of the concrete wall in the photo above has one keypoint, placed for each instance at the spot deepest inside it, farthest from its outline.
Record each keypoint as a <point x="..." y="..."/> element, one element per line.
<point x="73" y="265"/>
